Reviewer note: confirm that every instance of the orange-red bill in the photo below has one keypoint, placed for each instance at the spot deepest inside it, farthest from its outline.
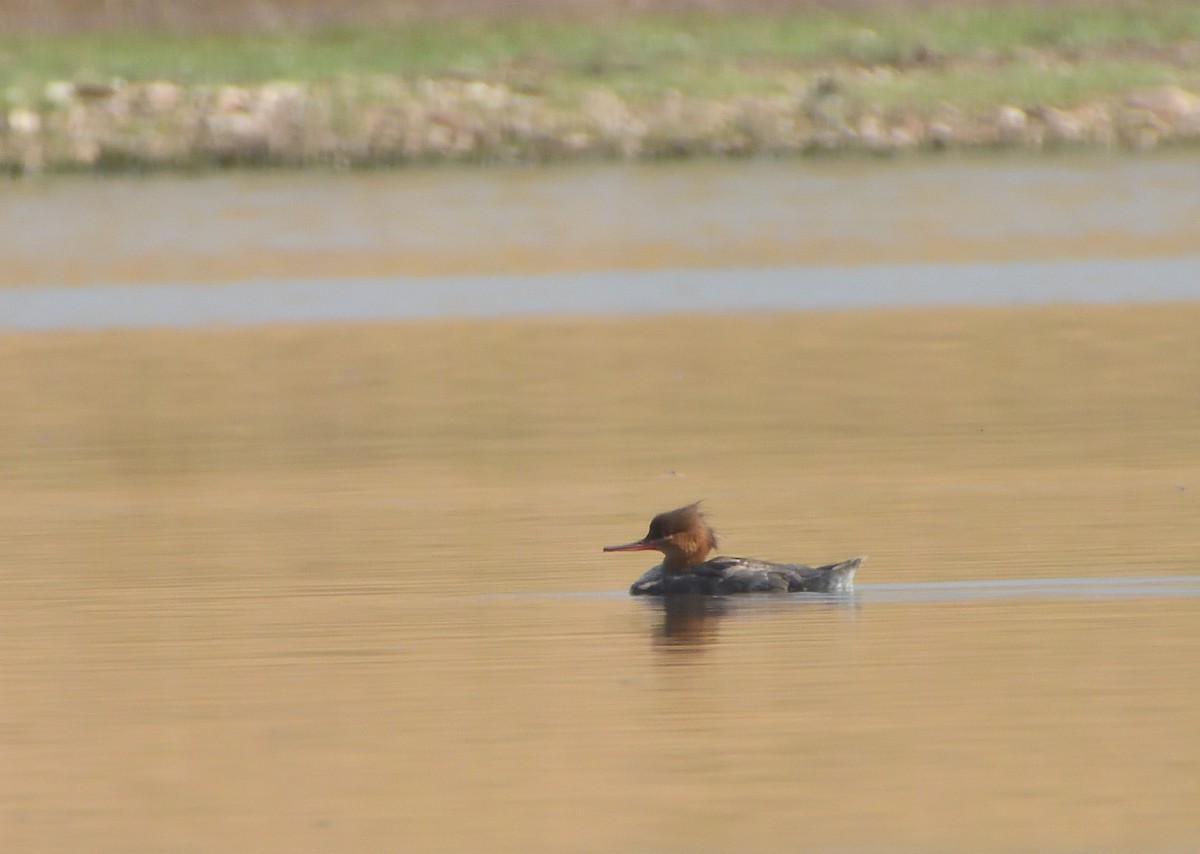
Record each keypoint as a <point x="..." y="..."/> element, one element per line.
<point x="635" y="546"/>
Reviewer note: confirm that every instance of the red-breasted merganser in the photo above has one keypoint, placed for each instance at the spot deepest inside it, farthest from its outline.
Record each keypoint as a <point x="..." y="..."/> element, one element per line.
<point x="685" y="539"/>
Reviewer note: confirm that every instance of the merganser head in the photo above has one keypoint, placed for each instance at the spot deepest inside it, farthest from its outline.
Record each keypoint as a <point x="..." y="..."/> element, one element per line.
<point x="682" y="535"/>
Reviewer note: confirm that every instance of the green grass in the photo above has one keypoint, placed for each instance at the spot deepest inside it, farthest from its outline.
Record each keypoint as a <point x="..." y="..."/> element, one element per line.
<point x="644" y="57"/>
<point x="1020" y="84"/>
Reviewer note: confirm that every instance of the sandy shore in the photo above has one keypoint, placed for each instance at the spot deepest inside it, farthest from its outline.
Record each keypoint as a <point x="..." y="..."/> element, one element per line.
<point x="394" y="121"/>
<point x="439" y="85"/>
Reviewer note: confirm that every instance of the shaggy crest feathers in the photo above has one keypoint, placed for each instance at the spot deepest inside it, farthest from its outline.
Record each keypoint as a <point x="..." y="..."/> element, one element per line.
<point x="684" y="535"/>
<point x="681" y="520"/>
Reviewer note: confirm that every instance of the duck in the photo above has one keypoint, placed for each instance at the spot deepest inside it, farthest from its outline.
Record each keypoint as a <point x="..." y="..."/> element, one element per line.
<point x="685" y="539"/>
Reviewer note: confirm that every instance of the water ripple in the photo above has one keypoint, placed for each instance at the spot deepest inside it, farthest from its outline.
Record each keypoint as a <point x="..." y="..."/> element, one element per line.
<point x="261" y="301"/>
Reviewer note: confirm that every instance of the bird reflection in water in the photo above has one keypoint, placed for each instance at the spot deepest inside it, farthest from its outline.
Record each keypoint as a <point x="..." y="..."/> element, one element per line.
<point x="694" y="620"/>
<point x="690" y="620"/>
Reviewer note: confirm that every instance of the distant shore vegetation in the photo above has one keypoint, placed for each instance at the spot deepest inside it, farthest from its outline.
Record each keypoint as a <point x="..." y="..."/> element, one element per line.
<point x="877" y="77"/>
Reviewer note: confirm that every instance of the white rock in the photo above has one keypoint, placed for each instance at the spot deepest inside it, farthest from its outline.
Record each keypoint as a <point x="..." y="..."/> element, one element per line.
<point x="23" y="121"/>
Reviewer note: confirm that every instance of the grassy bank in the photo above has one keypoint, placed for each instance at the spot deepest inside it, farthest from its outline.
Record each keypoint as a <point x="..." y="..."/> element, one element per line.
<point x="535" y="88"/>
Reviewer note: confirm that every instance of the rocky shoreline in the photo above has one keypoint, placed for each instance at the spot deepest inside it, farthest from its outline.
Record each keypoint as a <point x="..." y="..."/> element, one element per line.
<point x="162" y="125"/>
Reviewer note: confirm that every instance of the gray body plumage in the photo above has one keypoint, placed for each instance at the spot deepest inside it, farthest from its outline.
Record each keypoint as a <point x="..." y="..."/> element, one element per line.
<point x="725" y="575"/>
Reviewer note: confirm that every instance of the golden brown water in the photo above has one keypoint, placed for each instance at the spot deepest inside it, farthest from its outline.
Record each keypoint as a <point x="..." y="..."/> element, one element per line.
<point x="339" y="588"/>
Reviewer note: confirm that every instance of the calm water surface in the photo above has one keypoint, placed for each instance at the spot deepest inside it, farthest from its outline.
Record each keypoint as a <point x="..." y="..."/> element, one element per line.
<point x="338" y="586"/>
<point x="698" y="215"/>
